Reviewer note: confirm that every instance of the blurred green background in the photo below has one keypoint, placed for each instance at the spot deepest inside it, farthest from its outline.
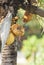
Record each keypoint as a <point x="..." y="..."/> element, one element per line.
<point x="33" y="41"/>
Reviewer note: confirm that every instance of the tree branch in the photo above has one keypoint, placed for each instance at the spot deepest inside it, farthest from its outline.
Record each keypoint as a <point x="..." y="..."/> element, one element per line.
<point x="34" y="10"/>
<point x="37" y="10"/>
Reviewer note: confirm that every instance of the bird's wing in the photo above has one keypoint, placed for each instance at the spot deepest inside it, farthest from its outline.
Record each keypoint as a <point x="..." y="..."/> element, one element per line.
<point x="5" y="28"/>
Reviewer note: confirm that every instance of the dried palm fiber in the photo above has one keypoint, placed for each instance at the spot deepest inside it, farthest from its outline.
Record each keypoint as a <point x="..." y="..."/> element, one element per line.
<point x="9" y="55"/>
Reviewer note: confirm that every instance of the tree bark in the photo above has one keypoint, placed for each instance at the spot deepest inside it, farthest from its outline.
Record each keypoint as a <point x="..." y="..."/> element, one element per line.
<point x="9" y="55"/>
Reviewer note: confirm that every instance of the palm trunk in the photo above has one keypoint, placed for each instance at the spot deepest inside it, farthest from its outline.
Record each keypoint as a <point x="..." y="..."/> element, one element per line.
<point x="9" y="55"/>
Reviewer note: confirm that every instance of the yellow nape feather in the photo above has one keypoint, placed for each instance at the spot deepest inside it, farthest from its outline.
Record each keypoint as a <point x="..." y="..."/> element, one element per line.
<point x="10" y="39"/>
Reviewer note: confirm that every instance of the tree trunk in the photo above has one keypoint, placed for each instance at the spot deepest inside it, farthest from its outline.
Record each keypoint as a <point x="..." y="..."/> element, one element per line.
<point x="9" y="55"/>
